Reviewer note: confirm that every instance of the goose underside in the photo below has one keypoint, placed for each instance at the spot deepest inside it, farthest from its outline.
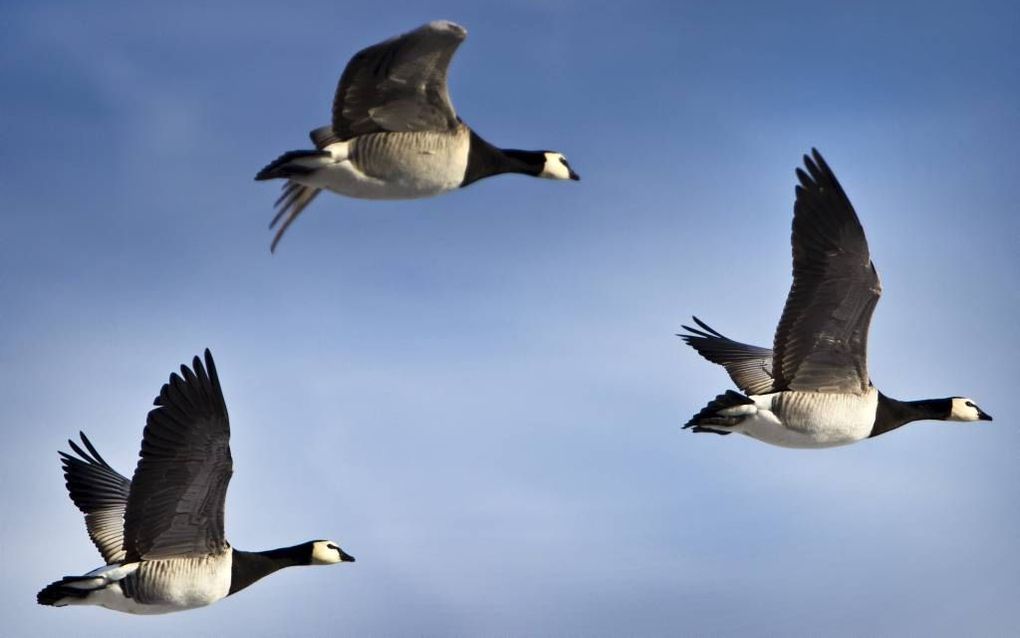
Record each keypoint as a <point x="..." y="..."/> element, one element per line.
<point x="149" y="587"/>
<point x="791" y="419"/>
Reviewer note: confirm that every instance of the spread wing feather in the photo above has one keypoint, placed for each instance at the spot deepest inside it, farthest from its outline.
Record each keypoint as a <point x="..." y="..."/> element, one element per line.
<point x="101" y="493"/>
<point x="749" y="366"/>
<point x="399" y="84"/>
<point x="178" y="491"/>
<point x="821" y="342"/>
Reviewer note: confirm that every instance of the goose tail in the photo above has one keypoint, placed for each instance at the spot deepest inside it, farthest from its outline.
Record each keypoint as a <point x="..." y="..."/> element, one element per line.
<point x="724" y="411"/>
<point x="293" y="164"/>
<point x="69" y="589"/>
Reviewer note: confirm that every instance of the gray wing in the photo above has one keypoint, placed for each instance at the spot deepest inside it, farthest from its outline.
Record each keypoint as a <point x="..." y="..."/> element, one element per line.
<point x="101" y="494"/>
<point x="821" y="342"/>
<point x="179" y="487"/>
<point x="399" y="84"/>
<point x="749" y="366"/>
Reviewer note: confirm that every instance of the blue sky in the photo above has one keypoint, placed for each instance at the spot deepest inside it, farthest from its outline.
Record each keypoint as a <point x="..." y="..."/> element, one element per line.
<point x="480" y="395"/>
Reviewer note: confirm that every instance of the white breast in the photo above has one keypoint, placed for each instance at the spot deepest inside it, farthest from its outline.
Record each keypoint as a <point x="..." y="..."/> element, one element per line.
<point x="811" y="419"/>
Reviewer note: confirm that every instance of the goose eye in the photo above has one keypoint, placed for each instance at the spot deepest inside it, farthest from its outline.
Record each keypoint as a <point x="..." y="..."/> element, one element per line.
<point x="332" y="546"/>
<point x="563" y="160"/>
<point x="970" y="404"/>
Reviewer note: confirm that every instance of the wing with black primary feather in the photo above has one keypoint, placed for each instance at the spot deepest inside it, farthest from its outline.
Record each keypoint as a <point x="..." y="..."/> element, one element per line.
<point x="749" y="366"/>
<point x="179" y="487"/>
<point x="821" y="341"/>
<point x="399" y="84"/>
<point x="101" y="493"/>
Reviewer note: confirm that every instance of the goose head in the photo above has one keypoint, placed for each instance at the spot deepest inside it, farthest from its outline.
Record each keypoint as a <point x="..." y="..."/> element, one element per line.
<point x="326" y="553"/>
<point x="964" y="409"/>
<point x="557" y="167"/>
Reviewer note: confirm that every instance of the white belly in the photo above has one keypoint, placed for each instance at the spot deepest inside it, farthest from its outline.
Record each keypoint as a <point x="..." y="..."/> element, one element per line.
<point x="113" y="597"/>
<point x="811" y="419"/>
<point x="344" y="178"/>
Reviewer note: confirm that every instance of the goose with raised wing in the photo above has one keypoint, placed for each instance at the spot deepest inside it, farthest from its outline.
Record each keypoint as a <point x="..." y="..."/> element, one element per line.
<point x="161" y="533"/>
<point x="812" y="389"/>
<point x="395" y="133"/>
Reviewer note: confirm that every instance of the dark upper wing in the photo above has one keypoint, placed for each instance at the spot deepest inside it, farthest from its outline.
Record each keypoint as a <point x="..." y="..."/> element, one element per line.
<point x="101" y="494"/>
<point x="822" y="340"/>
<point x="399" y="84"/>
<point x="179" y="487"/>
<point x="750" y="367"/>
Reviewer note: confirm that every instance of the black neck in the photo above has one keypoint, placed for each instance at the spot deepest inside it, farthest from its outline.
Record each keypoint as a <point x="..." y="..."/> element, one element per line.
<point x="248" y="567"/>
<point x="485" y="160"/>
<point x="892" y="414"/>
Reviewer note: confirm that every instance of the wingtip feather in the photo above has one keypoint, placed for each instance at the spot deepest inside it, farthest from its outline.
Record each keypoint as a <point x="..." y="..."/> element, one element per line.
<point x="210" y="368"/>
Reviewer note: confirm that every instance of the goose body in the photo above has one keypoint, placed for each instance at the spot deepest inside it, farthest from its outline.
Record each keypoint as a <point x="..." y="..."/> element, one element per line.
<point x="401" y="165"/>
<point x="161" y="533"/>
<point x="158" y="586"/>
<point x="395" y="133"/>
<point x="812" y="389"/>
<point x="806" y="419"/>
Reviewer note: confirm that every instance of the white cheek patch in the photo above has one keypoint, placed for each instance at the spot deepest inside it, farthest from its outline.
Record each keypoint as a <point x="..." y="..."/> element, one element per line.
<point x="963" y="412"/>
<point x="554" y="168"/>
<point x="323" y="555"/>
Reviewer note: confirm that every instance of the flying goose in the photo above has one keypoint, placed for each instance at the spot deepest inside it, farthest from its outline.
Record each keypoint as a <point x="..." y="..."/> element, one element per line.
<point x="812" y="389"/>
<point x="395" y="134"/>
<point x="161" y="533"/>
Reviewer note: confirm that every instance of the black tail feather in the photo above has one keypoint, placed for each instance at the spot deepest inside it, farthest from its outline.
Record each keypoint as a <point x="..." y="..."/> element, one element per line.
<point x="55" y="592"/>
<point x="709" y="416"/>
<point x="281" y="167"/>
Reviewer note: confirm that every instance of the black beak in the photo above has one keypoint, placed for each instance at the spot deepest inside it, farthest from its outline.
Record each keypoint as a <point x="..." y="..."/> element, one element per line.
<point x="345" y="557"/>
<point x="574" y="176"/>
<point x="983" y="416"/>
